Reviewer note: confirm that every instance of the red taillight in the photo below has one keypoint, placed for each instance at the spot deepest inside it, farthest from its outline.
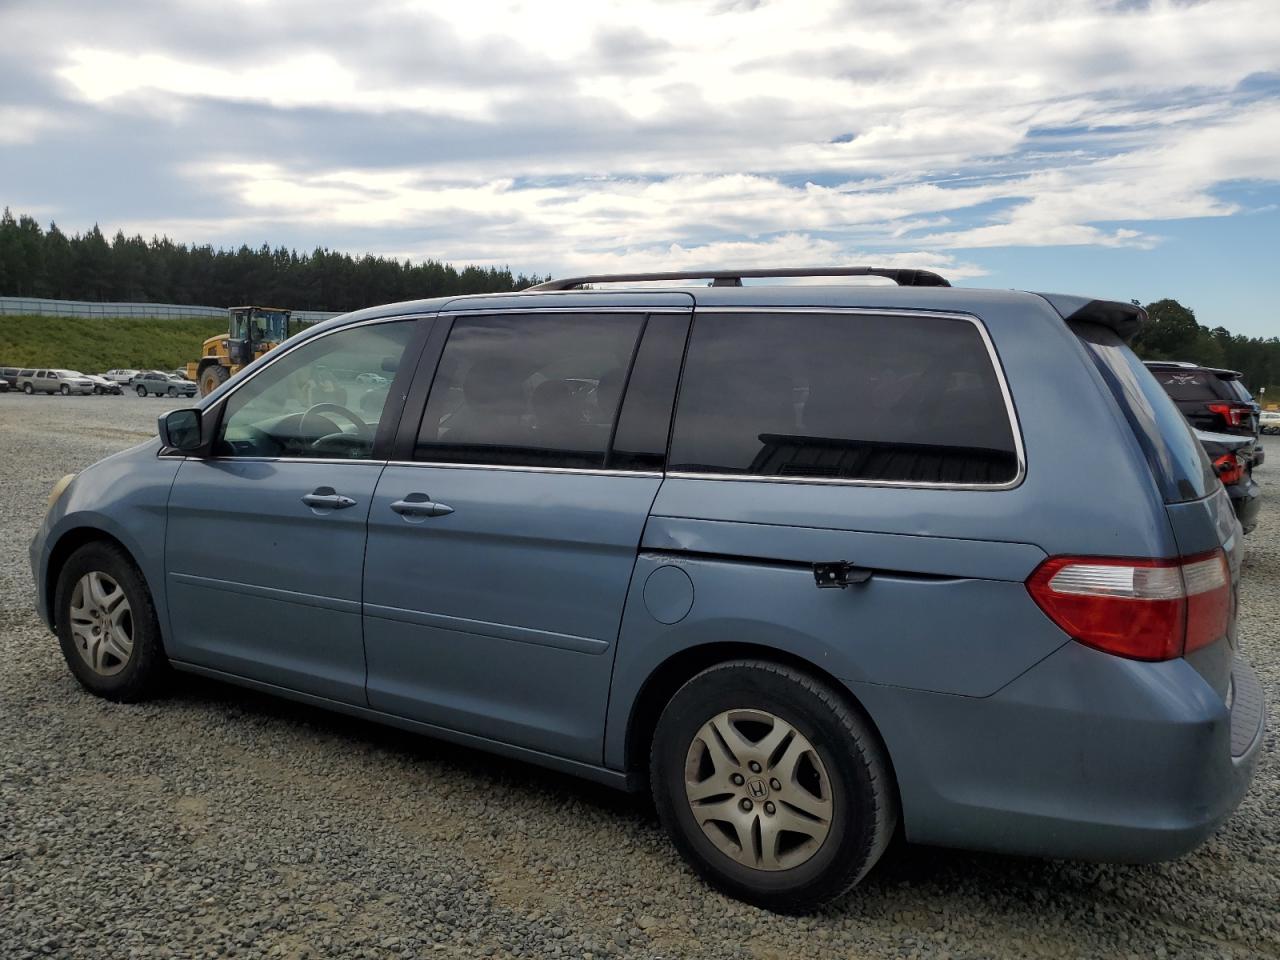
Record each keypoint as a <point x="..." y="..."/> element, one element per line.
<point x="1142" y="609"/>
<point x="1234" y="413"/>
<point x="1229" y="469"/>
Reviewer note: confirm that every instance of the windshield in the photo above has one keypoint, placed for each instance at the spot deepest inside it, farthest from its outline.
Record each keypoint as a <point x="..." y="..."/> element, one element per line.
<point x="264" y="325"/>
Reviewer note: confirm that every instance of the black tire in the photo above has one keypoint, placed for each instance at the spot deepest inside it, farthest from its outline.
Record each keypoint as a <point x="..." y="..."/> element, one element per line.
<point x="212" y="377"/>
<point x="65" y="390"/>
<point x="97" y="391"/>
<point x="28" y="389"/>
<point x="147" y="666"/>
<point x="173" y="391"/>
<point x="863" y="797"/>
<point x="142" y="391"/>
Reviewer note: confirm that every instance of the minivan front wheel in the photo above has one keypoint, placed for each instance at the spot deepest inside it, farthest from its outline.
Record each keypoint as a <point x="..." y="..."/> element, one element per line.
<point x="773" y="787"/>
<point x="107" y="625"/>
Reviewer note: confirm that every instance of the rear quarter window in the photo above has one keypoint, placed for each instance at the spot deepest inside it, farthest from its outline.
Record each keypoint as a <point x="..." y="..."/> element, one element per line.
<point x="888" y="399"/>
<point x="1238" y="390"/>
<point x="1178" y="462"/>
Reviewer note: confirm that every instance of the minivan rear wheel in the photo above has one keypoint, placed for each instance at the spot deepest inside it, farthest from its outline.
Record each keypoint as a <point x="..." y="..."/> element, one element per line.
<point x="772" y="785"/>
<point x="106" y="624"/>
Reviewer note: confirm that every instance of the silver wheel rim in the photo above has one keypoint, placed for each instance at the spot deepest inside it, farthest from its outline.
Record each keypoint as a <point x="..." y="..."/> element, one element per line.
<point x="758" y="789"/>
<point x="101" y="623"/>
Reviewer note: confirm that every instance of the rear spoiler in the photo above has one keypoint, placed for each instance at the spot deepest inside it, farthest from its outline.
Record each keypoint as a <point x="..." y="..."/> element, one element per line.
<point x="1125" y="319"/>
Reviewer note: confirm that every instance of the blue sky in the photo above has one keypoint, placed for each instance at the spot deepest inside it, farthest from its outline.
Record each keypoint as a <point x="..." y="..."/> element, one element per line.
<point x="1112" y="147"/>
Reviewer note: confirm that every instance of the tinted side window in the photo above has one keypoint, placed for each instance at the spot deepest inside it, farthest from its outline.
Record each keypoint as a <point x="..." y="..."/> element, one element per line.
<point x="644" y="424"/>
<point x="1238" y="390"/>
<point x="529" y="390"/>
<point x="1177" y="460"/>
<point x="891" y="399"/>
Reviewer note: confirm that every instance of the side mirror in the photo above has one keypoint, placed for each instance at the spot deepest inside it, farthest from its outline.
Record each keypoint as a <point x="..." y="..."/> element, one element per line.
<point x="180" y="430"/>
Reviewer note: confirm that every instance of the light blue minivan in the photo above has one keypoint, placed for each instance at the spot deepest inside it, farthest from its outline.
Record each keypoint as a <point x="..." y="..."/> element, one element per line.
<point x="814" y="563"/>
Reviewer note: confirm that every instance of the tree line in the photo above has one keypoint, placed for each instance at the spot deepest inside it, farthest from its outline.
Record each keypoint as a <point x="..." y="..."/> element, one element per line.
<point x="1173" y="333"/>
<point x="35" y="262"/>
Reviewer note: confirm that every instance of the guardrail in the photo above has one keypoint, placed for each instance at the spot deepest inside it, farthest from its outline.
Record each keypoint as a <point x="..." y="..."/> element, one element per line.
<point x="40" y="306"/>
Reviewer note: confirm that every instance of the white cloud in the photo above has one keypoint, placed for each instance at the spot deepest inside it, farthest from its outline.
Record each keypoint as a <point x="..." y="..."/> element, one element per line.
<point x="25" y="124"/>
<point x="579" y="134"/>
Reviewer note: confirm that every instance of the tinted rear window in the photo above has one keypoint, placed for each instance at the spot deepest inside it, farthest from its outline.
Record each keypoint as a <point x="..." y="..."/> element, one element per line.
<point x="1177" y="460"/>
<point x="1192" y="385"/>
<point x="850" y="397"/>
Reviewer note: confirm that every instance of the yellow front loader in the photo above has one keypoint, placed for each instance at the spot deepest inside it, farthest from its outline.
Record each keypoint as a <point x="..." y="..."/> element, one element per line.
<point x="251" y="332"/>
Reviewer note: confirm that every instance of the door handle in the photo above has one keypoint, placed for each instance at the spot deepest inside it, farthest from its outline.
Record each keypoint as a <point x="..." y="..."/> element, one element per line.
<point x="418" y="506"/>
<point x="326" y="498"/>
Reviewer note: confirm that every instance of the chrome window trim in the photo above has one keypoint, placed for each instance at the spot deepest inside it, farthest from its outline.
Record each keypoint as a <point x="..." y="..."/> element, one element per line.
<point x="520" y="468"/>
<point x="548" y="308"/>
<point x="842" y="482"/>
<point x="328" y="460"/>
<point x="1014" y="424"/>
<point x="994" y="357"/>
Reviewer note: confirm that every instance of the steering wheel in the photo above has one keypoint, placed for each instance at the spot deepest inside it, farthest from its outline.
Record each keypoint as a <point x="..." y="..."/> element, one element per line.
<point x="342" y="441"/>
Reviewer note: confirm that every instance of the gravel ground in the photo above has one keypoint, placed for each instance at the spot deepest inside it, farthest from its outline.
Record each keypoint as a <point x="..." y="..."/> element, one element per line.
<point x="220" y="823"/>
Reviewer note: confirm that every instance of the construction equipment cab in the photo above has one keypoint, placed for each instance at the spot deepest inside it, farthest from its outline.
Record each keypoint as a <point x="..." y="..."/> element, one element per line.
<point x="251" y="332"/>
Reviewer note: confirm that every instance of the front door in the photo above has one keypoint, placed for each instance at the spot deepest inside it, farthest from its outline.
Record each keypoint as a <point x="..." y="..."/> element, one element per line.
<point x="501" y="550"/>
<point x="265" y="540"/>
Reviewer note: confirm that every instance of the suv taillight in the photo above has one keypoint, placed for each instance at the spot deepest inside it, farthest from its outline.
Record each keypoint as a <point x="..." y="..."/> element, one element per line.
<point x="1229" y="469"/>
<point x="1141" y="609"/>
<point x="1234" y="413"/>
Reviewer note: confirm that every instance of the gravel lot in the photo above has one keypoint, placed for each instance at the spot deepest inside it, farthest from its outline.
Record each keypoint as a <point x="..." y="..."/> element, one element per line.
<point x="221" y="823"/>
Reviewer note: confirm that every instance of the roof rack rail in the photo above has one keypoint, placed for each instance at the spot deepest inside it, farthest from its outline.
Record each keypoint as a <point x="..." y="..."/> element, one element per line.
<point x="734" y="278"/>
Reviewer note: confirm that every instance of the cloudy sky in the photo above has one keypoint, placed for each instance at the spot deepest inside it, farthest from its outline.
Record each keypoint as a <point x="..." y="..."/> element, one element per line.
<point x="1117" y="148"/>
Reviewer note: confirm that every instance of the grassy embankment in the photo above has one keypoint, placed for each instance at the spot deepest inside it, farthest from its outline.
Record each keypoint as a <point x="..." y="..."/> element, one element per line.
<point x="94" y="345"/>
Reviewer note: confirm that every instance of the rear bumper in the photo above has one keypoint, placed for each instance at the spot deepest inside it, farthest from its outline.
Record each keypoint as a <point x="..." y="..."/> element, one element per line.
<point x="1246" y="500"/>
<point x="1086" y="756"/>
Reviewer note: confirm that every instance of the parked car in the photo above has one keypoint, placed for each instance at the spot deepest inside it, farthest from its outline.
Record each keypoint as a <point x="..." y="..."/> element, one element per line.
<point x="1269" y="421"/>
<point x="807" y="562"/>
<point x="4" y="385"/>
<point x="122" y="375"/>
<point x="1211" y="399"/>
<point x="65" y="382"/>
<point x="157" y="383"/>
<point x="178" y="372"/>
<point x="10" y="376"/>
<point x="1232" y="459"/>
<point x="103" y="385"/>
